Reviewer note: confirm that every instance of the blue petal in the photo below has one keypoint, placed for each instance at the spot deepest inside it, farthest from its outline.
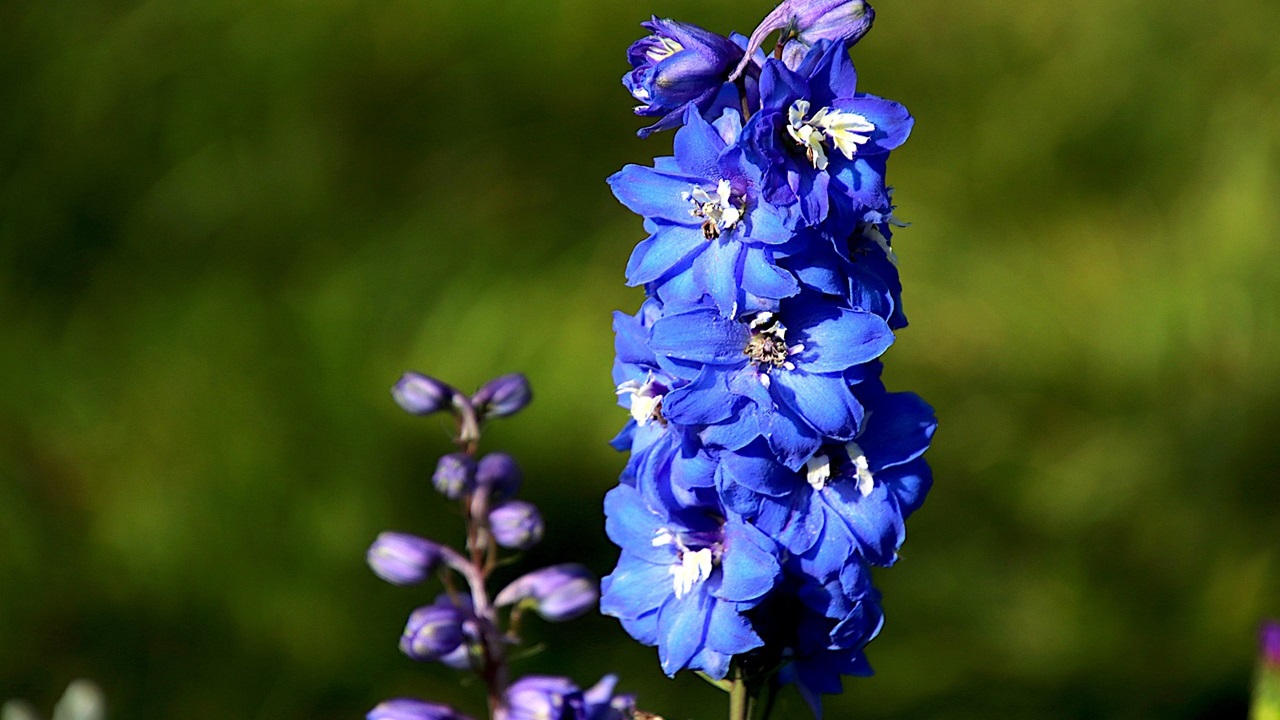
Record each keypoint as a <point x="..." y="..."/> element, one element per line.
<point x="718" y="271"/>
<point x="705" y="401"/>
<point x="682" y="628"/>
<point x="898" y="432"/>
<point x="701" y="336"/>
<point x="750" y="567"/>
<point x="698" y="147"/>
<point x="652" y="194"/>
<point x="729" y="632"/>
<point x="893" y="122"/>
<point x="837" y="339"/>
<point x="632" y="525"/>
<point x="763" y="278"/>
<point x="824" y="401"/>
<point x="636" y="587"/>
<point x="669" y="248"/>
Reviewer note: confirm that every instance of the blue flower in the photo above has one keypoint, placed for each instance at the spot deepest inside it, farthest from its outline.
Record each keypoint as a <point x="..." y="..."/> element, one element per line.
<point x="683" y="581"/>
<point x="677" y="67"/>
<point x="712" y="232"/>
<point x="814" y="134"/>
<point x="850" y="498"/>
<point x="785" y="375"/>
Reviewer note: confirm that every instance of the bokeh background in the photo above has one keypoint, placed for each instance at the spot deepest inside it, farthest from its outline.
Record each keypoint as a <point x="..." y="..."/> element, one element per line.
<point x="227" y="226"/>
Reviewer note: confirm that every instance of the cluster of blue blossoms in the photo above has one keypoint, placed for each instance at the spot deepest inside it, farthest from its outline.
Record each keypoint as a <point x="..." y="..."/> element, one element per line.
<point x="465" y="627"/>
<point x="769" y="467"/>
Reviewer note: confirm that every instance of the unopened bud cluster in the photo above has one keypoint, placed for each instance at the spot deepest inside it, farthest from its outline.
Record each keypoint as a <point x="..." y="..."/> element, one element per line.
<point x="468" y="629"/>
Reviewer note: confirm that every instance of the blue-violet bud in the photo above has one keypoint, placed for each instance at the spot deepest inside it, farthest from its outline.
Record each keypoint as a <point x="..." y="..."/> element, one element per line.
<point x="540" y="697"/>
<point x="516" y="524"/>
<point x="500" y="474"/>
<point x="809" y="21"/>
<point x="1270" y="640"/>
<point x="678" y="64"/>
<point x="557" y="593"/>
<point x="455" y="475"/>
<point x="433" y="630"/>
<point x="402" y="559"/>
<point x="409" y="709"/>
<point x="420" y="394"/>
<point x="503" y="396"/>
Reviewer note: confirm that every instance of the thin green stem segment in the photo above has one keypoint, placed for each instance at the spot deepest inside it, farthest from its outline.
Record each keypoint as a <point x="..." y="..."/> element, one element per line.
<point x="738" y="697"/>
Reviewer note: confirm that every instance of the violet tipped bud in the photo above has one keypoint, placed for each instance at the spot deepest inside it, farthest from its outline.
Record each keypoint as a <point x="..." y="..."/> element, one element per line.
<point x="455" y="475"/>
<point x="421" y="394"/>
<point x="500" y="474"/>
<point x="805" y="22"/>
<point x="516" y="524"/>
<point x="677" y="65"/>
<point x="541" y="697"/>
<point x="502" y="396"/>
<point x="433" y="630"/>
<point x="402" y="559"/>
<point x="409" y="709"/>
<point x="556" y="593"/>
<point x="1269" y="641"/>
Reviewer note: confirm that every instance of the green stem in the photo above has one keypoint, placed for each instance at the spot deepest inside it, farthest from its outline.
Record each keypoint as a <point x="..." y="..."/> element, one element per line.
<point x="738" y="699"/>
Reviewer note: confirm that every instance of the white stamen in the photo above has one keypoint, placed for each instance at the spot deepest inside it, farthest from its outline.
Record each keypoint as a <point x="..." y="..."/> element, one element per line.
<point x="818" y="471"/>
<point x="866" y="481"/>
<point x="665" y="49"/>
<point x="646" y="402"/>
<point x="663" y="537"/>
<point x="718" y="210"/>
<point x="845" y="131"/>
<point x="694" y="567"/>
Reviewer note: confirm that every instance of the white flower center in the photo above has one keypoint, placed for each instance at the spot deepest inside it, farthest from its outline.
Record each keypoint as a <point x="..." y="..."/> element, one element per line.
<point x="694" y="567"/>
<point x="718" y="211"/>
<point x="866" y="481"/>
<point x="646" y="400"/>
<point x="665" y="48"/>
<point x="818" y="471"/>
<point x="845" y="131"/>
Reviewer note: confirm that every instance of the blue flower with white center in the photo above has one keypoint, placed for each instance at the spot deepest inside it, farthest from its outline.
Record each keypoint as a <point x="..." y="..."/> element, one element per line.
<point x="815" y="132"/>
<point x="712" y="233"/>
<point x="850" y="498"/>
<point x="677" y="67"/>
<point x="683" y="580"/>
<point x="785" y="376"/>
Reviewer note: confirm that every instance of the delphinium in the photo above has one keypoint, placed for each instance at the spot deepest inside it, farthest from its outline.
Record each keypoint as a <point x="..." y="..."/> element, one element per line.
<point x="466" y="627"/>
<point x="1266" y="687"/>
<point x="769" y="467"/>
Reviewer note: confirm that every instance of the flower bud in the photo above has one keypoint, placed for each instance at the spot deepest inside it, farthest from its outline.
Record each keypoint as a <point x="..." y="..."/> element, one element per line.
<point x="808" y="21"/>
<point x="422" y="395"/>
<point x="1270" y="643"/>
<point x="409" y="709"/>
<point x="677" y="65"/>
<point x="516" y="524"/>
<point x="402" y="559"/>
<point x="500" y="473"/>
<point x="455" y="475"/>
<point x="557" y="593"/>
<point x="502" y="396"/>
<point x="433" y="630"/>
<point x="541" y="697"/>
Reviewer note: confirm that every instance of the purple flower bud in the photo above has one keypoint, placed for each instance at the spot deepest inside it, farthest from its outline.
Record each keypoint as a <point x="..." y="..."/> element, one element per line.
<point x="808" y="21"/>
<point x="402" y="559"/>
<point x="540" y="697"/>
<point x="516" y="524"/>
<point x="557" y="593"/>
<point x="422" y="395"/>
<point x="409" y="709"/>
<point x="602" y="704"/>
<point x="677" y="65"/>
<point x="500" y="473"/>
<point x="1270" y="642"/>
<point x="433" y="630"/>
<point x="502" y="396"/>
<point x="455" y="475"/>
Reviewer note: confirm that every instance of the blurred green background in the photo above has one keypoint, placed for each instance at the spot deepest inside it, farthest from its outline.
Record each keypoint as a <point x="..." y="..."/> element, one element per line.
<point x="227" y="226"/>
